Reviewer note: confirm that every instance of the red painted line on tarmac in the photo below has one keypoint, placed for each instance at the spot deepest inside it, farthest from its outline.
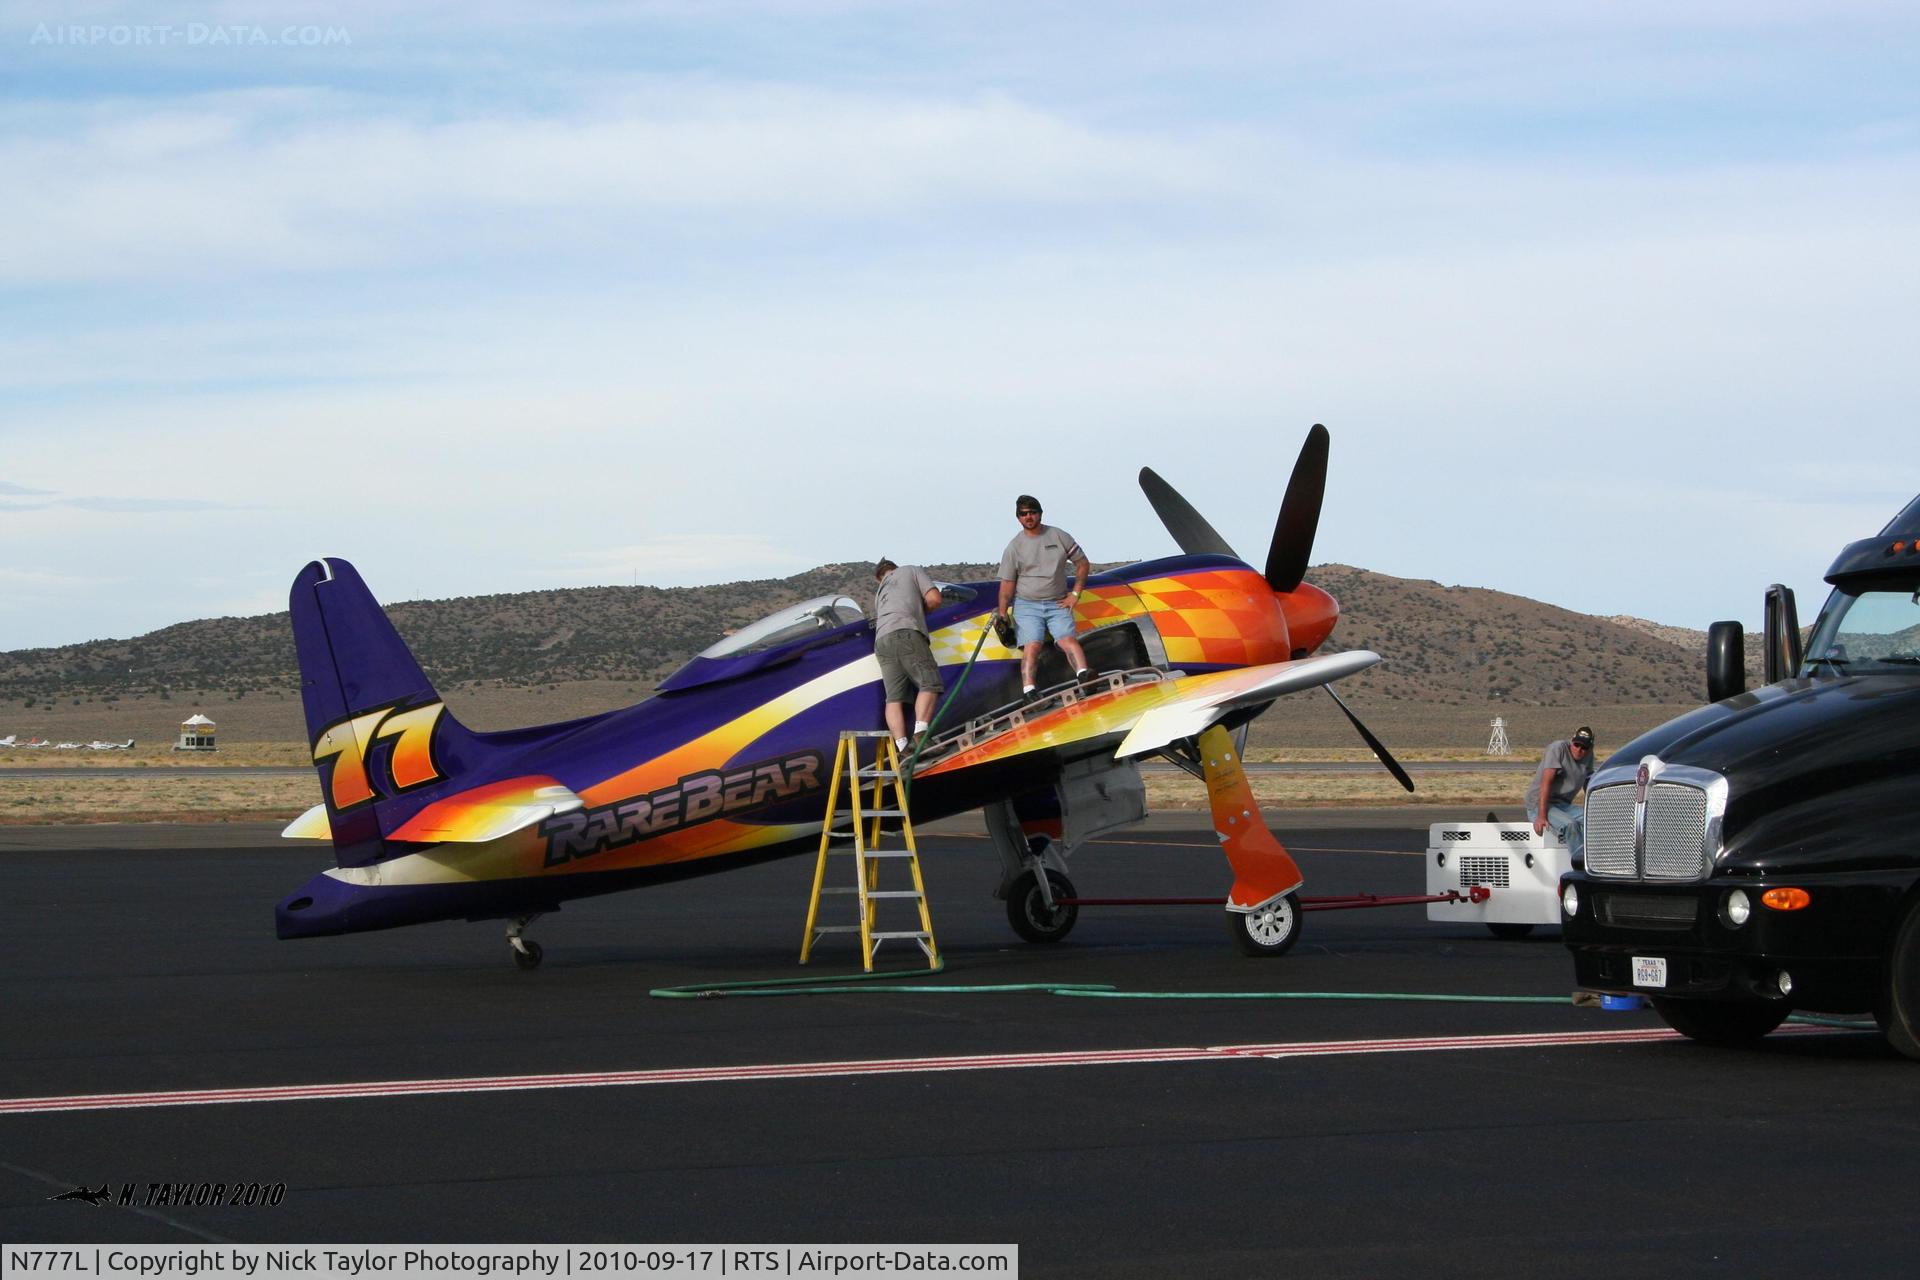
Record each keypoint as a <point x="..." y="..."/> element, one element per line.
<point x="825" y="1070"/>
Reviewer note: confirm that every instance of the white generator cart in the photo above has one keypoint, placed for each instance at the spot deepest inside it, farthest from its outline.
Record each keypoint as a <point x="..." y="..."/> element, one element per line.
<point x="1520" y="870"/>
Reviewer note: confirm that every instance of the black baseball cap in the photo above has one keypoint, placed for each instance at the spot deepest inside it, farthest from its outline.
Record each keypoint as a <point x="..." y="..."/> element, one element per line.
<point x="1026" y="502"/>
<point x="1583" y="737"/>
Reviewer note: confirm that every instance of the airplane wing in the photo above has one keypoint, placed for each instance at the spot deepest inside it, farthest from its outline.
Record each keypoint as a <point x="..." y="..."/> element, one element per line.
<point x="1153" y="714"/>
<point x="1205" y="699"/>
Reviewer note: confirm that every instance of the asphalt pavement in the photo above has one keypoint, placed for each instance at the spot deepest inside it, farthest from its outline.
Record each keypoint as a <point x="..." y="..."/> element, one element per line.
<point x="1210" y="1111"/>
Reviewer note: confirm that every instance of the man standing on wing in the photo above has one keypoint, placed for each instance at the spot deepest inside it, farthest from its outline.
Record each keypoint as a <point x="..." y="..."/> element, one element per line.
<point x="900" y="605"/>
<point x="1033" y="580"/>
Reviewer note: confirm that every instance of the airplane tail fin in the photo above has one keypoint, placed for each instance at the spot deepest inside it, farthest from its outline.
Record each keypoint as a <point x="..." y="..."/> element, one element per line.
<point x="382" y="739"/>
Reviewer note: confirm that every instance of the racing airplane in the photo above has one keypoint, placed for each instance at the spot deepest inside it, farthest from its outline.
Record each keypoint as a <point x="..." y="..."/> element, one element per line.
<point x="728" y="764"/>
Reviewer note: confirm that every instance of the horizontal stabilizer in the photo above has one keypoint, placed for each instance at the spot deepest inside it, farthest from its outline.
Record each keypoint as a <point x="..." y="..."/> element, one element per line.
<point x="311" y="825"/>
<point x="488" y="812"/>
<point x="1213" y="697"/>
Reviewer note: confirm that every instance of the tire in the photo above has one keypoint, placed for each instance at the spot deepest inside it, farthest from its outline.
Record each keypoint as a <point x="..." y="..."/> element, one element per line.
<point x="1027" y="910"/>
<point x="530" y="958"/>
<point x="1728" y="1023"/>
<point x="1510" y="931"/>
<point x="1270" y="931"/>
<point x="1898" y="1009"/>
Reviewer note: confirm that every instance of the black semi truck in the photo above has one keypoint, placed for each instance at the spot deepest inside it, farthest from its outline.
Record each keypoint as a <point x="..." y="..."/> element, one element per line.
<point x="1762" y="854"/>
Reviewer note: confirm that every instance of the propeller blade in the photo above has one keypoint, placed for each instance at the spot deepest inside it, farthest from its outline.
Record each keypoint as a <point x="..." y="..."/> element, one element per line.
<point x="1373" y="743"/>
<point x="1189" y="528"/>
<point x="1299" y="515"/>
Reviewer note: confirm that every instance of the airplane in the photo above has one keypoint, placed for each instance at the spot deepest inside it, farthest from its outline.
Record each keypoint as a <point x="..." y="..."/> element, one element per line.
<point x="97" y="745"/>
<point x="66" y="746"/>
<point x="6" y="741"/>
<point x="728" y="763"/>
<point x="33" y="744"/>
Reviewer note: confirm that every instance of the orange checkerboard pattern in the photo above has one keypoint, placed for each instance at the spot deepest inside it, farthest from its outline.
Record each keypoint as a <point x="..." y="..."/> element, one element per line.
<point x="1213" y="616"/>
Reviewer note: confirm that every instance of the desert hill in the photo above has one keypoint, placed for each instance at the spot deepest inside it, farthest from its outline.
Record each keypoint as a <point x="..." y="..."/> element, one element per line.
<point x="1453" y="654"/>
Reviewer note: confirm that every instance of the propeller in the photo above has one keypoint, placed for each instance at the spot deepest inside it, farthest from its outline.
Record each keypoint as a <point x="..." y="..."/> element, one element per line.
<point x="1286" y="557"/>
<point x="1374" y="744"/>
<point x="1299" y="514"/>
<point x="1189" y="528"/>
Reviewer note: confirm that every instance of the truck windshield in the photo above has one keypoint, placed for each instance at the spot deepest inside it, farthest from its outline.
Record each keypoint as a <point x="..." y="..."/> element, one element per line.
<point x="1875" y="629"/>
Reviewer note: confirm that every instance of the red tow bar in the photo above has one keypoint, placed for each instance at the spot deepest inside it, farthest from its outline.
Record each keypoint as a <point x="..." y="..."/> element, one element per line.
<point x="1475" y="894"/>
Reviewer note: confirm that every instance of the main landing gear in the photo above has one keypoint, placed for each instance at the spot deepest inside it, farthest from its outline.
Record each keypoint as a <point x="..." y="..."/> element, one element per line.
<point x="527" y="953"/>
<point x="1035" y="908"/>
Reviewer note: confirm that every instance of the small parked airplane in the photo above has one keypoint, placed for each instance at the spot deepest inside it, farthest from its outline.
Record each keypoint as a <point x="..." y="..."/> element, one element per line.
<point x="66" y="746"/>
<point x="728" y="764"/>
<point x="6" y="741"/>
<point x="97" y="745"/>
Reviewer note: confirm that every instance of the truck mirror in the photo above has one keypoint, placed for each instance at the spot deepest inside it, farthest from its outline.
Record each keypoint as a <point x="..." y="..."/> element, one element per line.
<point x="1783" y="634"/>
<point x="1726" y="660"/>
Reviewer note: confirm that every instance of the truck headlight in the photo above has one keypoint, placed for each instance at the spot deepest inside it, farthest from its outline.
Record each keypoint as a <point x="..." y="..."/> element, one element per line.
<point x="1738" y="908"/>
<point x="1570" y="900"/>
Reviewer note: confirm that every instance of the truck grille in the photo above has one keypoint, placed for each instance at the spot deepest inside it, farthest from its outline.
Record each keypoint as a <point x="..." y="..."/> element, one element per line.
<point x="1676" y="832"/>
<point x="1608" y="837"/>
<point x="1672" y="834"/>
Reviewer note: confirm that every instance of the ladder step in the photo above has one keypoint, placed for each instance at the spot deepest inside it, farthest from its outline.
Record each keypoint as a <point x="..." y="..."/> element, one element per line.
<point x="836" y="928"/>
<point x="877" y="773"/>
<point x="917" y="933"/>
<point x="889" y="853"/>
<point x="895" y="893"/>
<point x="882" y="813"/>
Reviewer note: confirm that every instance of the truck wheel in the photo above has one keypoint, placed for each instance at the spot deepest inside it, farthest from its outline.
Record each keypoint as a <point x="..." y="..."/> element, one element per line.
<point x="1898" y="1009"/>
<point x="1718" y="1022"/>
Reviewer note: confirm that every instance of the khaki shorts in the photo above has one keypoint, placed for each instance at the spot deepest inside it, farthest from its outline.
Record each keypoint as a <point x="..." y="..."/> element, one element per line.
<point x="907" y="660"/>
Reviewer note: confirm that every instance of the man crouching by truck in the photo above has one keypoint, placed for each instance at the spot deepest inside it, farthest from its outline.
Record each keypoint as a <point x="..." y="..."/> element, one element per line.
<point x="1562" y="776"/>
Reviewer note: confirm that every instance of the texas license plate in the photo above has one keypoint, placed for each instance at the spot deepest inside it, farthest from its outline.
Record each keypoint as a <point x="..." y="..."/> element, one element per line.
<point x="1649" y="971"/>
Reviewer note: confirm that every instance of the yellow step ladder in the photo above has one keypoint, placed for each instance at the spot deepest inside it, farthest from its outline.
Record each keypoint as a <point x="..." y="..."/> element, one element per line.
<point x="866" y="830"/>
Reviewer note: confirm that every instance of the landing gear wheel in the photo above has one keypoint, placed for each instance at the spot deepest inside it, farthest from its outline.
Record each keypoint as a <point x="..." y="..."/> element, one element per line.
<point x="1898" y="1008"/>
<point x="1027" y="911"/>
<point x="1269" y="931"/>
<point x="1725" y="1023"/>
<point x="528" y="955"/>
<point x="1509" y="931"/>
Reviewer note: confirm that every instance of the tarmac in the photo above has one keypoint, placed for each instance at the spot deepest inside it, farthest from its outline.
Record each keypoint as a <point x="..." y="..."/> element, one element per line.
<point x="1209" y="1111"/>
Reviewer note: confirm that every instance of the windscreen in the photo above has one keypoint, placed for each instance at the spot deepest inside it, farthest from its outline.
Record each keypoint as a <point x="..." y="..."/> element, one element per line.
<point x="1871" y="630"/>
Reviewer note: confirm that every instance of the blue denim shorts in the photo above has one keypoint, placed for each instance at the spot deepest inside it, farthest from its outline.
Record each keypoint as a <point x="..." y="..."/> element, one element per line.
<point x="1037" y="619"/>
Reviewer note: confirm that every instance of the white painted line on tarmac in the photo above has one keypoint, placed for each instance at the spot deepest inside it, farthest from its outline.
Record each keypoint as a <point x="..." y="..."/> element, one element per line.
<point x="827" y="1070"/>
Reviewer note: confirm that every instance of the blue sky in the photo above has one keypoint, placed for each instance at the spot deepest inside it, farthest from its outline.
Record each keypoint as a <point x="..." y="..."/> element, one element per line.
<point x="1608" y="304"/>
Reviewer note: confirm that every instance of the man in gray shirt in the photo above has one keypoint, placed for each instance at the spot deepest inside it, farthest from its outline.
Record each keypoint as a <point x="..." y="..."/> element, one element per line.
<point x="1562" y="775"/>
<point x="1033" y="580"/>
<point x="900" y="605"/>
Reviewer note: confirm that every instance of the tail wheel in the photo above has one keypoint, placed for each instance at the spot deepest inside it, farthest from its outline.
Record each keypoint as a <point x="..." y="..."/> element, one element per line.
<point x="1270" y="930"/>
<point x="1029" y="914"/>
<point x="1898" y="1009"/>
<point x="1509" y="931"/>
<point x="528" y="955"/>
<point x="1729" y="1023"/>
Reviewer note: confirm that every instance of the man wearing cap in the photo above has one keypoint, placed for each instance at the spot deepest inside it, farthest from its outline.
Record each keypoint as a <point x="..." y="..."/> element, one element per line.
<point x="900" y="604"/>
<point x="1562" y="775"/>
<point x="1033" y="581"/>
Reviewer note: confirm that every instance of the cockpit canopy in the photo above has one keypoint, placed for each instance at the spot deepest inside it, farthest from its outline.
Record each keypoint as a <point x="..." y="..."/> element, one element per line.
<point x="795" y="622"/>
